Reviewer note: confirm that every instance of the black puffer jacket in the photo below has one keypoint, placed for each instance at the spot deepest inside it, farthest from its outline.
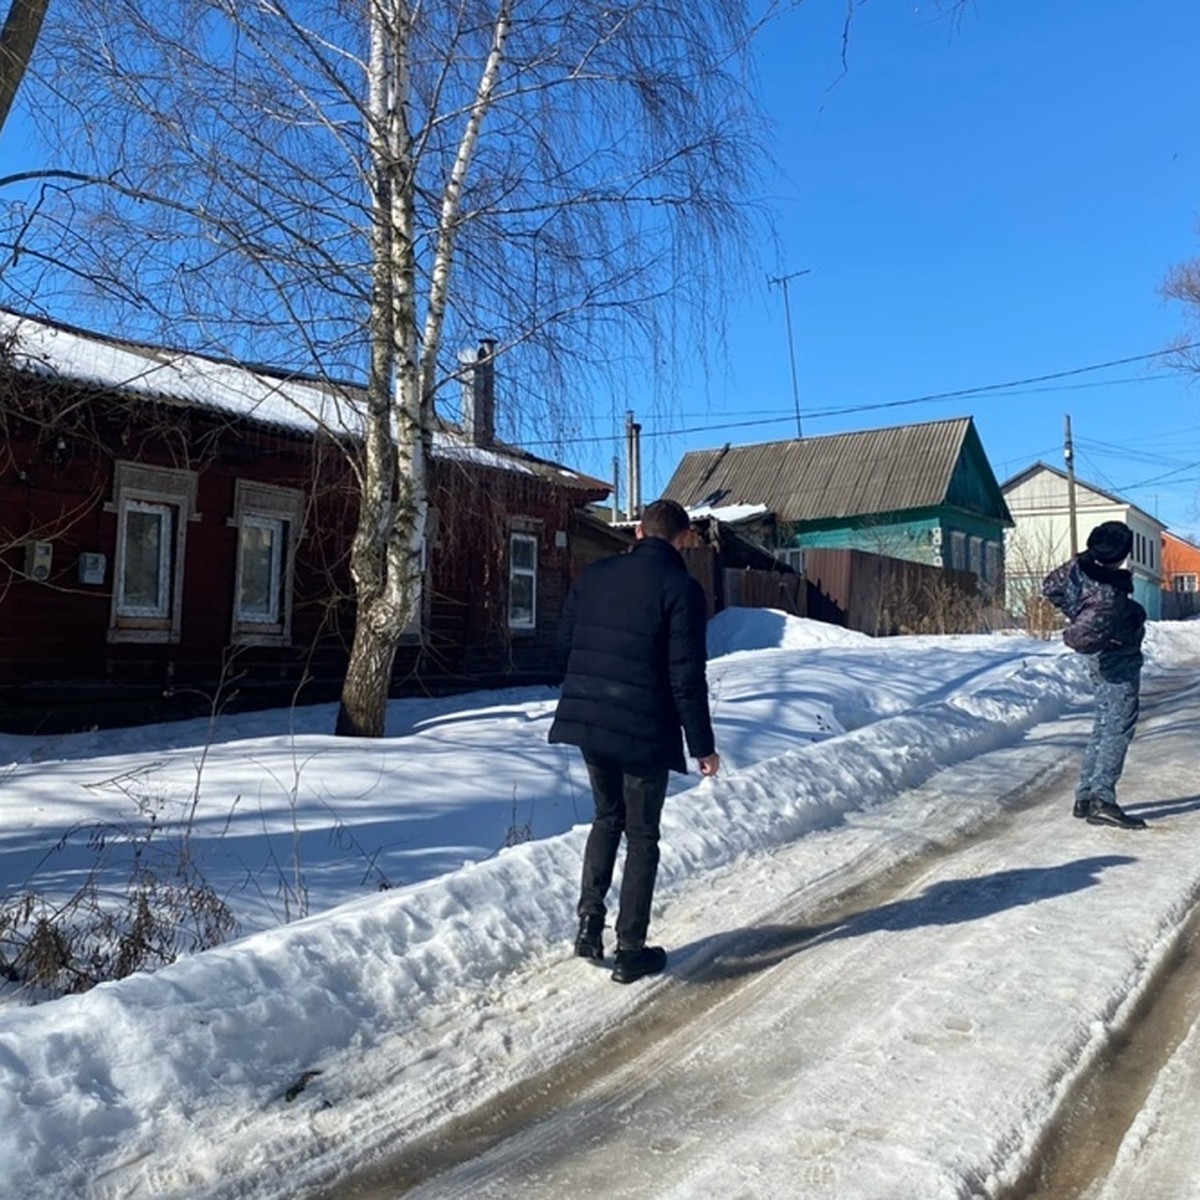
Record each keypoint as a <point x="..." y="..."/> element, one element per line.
<point x="1104" y="618"/>
<point x="632" y="641"/>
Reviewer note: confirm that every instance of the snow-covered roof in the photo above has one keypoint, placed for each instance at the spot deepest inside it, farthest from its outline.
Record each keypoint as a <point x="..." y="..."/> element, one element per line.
<point x="57" y="352"/>
<point x="258" y="394"/>
<point x="729" y="513"/>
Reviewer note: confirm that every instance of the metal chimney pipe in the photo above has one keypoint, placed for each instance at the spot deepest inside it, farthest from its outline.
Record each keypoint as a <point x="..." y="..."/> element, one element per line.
<point x="636" y="498"/>
<point x="477" y="371"/>
<point x="484" y="432"/>
<point x="633" y="460"/>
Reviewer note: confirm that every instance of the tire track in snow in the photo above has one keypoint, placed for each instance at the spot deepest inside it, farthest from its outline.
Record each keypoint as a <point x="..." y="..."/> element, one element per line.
<point x="713" y="988"/>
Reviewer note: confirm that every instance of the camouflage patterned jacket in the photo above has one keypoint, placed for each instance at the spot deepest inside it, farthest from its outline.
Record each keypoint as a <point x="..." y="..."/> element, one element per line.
<point x="1098" y="603"/>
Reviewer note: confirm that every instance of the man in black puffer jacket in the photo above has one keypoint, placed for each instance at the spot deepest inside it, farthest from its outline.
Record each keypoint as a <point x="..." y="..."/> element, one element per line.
<point x="632" y="641"/>
<point x="1107" y="625"/>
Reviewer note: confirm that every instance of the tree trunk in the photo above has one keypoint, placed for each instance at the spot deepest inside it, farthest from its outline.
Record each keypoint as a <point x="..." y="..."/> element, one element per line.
<point x="17" y="40"/>
<point x="363" y="708"/>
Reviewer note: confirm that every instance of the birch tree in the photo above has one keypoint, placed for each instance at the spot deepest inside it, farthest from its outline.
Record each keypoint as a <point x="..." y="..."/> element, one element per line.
<point x="354" y="189"/>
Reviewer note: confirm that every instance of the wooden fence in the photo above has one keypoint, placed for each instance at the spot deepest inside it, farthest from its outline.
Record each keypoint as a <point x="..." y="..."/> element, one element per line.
<point x="871" y="593"/>
<point x="744" y="587"/>
<point x="875" y="594"/>
<point x="747" y="588"/>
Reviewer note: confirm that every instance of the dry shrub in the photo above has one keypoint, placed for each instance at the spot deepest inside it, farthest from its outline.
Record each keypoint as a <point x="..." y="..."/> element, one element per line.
<point x="163" y="909"/>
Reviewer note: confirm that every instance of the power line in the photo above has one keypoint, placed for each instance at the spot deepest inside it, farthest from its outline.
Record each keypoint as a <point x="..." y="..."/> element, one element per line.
<point x="1127" y="454"/>
<point x="1159" y="478"/>
<point x="1015" y="383"/>
<point x="929" y="398"/>
<point x="1034" y="391"/>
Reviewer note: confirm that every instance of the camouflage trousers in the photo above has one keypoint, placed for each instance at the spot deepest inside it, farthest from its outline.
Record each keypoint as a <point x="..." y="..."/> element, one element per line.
<point x="1112" y="730"/>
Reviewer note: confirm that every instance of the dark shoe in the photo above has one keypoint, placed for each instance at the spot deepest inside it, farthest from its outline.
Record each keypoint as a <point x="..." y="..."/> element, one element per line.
<point x="589" y="942"/>
<point x="634" y="964"/>
<point x="1102" y="812"/>
<point x="1082" y="805"/>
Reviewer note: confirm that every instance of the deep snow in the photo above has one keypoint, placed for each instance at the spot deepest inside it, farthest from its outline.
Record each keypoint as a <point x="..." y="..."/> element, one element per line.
<point x="386" y="1012"/>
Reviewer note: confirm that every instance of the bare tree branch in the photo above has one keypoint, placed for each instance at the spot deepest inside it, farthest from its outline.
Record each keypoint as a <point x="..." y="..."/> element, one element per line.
<point x="354" y="190"/>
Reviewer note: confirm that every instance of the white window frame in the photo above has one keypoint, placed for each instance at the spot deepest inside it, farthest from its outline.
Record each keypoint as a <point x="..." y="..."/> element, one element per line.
<point x="792" y="556"/>
<point x="516" y="571"/>
<point x="258" y="506"/>
<point x="276" y="570"/>
<point x="168" y="516"/>
<point x="171" y="492"/>
<point x="1184" y="581"/>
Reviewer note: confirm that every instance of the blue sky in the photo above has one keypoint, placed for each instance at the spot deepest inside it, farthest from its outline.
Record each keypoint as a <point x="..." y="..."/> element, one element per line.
<point x="975" y="203"/>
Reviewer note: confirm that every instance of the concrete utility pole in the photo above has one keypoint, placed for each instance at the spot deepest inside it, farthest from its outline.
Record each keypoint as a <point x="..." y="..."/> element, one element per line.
<point x="783" y="281"/>
<point x="1069" y="456"/>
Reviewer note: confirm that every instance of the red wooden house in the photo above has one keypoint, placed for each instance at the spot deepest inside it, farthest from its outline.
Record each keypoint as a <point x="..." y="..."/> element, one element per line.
<point x="174" y="534"/>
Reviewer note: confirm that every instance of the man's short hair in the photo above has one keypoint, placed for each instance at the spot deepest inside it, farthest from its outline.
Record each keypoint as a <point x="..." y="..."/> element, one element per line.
<point x="665" y="519"/>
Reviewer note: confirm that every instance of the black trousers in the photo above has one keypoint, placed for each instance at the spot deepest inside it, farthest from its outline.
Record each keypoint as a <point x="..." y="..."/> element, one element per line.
<point x="629" y="804"/>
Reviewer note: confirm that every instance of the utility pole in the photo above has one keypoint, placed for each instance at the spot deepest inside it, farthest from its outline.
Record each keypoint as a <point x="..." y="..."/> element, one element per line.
<point x="783" y="281"/>
<point x="1069" y="456"/>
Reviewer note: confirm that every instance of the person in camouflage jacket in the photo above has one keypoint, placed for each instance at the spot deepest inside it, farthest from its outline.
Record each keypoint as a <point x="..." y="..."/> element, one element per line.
<point x="1108" y="625"/>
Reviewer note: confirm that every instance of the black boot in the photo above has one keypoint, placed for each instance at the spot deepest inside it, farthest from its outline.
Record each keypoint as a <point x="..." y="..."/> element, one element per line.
<point x="1104" y="812"/>
<point x="589" y="942"/>
<point x="1082" y="805"/>
<point x="634" y="962"/>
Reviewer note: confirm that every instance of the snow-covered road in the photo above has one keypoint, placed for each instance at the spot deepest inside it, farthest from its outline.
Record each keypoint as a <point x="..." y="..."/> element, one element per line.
<point x="896" y="960"/>
<point x="829" y="1031"/>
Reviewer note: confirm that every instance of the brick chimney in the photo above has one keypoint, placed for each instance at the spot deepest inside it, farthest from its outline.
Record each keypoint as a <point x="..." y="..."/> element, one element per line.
<point x="478" y="374"/>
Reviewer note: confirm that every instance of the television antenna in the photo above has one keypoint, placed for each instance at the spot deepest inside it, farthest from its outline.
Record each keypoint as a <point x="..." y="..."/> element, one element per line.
<point x="783" y="281"/>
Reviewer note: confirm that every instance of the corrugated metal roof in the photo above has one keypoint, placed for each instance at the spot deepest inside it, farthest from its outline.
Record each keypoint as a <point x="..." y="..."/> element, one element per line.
<point x="837" y="476"/>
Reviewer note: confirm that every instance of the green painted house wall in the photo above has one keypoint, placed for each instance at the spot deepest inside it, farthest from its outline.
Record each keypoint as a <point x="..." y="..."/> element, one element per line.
<point x="922" y="493"/>
<point x="908" y="537"/>
<point x="966" y="532"/>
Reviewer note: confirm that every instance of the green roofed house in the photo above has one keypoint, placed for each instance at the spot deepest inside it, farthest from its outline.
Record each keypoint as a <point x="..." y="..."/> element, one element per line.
<point x="923" y="493"/>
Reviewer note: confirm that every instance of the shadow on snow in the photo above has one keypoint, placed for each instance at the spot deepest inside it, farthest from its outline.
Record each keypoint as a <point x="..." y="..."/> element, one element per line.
<point x="949" y="902"/>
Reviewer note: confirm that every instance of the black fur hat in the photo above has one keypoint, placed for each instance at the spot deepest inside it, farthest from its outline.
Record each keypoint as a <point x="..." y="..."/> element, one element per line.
<point x="1110" y="542"/>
